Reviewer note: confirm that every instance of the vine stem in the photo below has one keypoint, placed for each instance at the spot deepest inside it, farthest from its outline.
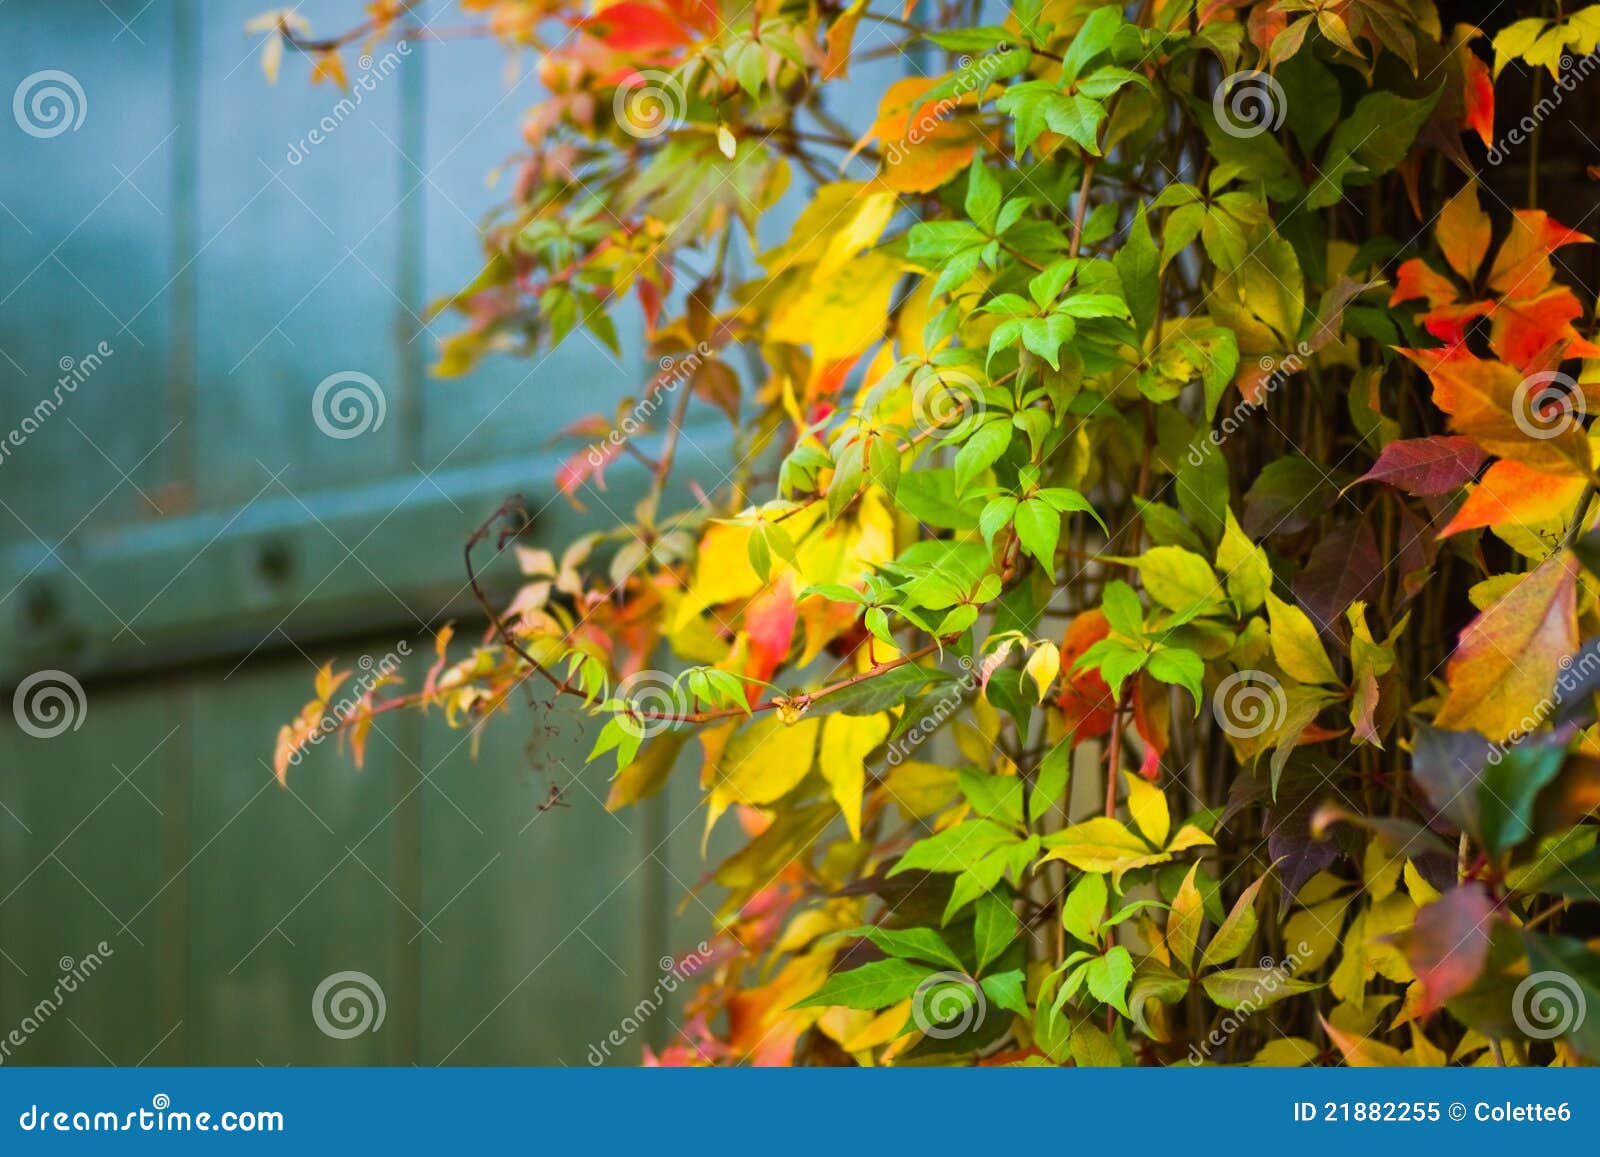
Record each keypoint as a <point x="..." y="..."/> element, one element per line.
<point x="1579" y="513"/>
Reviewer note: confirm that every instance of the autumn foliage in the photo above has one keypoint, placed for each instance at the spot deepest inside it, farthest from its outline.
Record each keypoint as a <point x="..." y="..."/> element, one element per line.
<point x="1143" y="611"/>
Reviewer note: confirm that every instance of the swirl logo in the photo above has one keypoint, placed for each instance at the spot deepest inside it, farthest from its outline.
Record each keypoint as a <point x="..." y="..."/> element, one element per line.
<point x="944" y="399"/>
<point x="348" y="404"/>
<point x="49" y="103"/>
<point x="1548" y="1004"/>
<point x="1249" y="103"/>
<point x="649" y="103"/>
<point x="161" y="1102"/>
<point x="48" y="703"/>
<point x="646" y="696"/>
<point x="947" y="1004"/>
<point x="1249" y="703"/>
<point x="1548" y="405"/>
<point x="348" y="1004"/>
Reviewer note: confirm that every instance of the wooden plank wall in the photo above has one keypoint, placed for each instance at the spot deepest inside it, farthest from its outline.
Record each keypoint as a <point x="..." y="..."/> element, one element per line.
<point x="228" y="282"/>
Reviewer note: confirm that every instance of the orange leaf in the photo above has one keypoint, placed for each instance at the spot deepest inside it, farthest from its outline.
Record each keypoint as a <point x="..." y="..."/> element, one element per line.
<point x="1522" y="267"/>
<point x="1511" y="492"/>
<point x="1507" y="659"/>
<point x="1085" y="699"/>
<point x="1463" y="232"/>
<point x="922" y="149"/>
<point x="1512" y="416"/>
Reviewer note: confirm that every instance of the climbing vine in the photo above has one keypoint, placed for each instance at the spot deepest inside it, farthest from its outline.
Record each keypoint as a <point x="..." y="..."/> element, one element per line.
<point x="1140" y="606"/>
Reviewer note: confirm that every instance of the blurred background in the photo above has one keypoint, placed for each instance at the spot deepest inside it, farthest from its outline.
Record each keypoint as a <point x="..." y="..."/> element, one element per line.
<point x="181" y="538"/>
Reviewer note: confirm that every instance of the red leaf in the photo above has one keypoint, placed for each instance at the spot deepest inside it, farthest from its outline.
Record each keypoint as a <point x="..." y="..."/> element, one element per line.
<point x="1427" y="466"/>
<point x="636" y="27"/>
<point x="1085" y="699"/>
<point x="769" y="621"/>
<point x="1478" y="96"/>
<point x="1343" y="567"/>
<point x="1449" y="943"/>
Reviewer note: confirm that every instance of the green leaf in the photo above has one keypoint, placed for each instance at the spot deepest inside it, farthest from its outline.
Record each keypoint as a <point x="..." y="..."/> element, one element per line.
<point x="1369" y="142"/>
<point x="1507" y="791"/>
<point x="872" y="986"/>
<point x="1234" y="988"/>
<point x="1180" y="667"/>
<point x="1039" y="529"/>
<point x="1093" y="37"/>
<point x="1234" y="936"/>
<point x="1084" y="908"/>
<point x="955" y="849"/>
<point x="1138" y="267"/>
<point x="994" y="928"/>
<point x="981" y="450"/>
<point x="1122" y="609"/>
<point x="1005" y="989"/>
<point x="983" y="196"/>
<point x="912" y="944"/>
<point x="881" y="692"/>
<point x="1108" y="978"/>
<point x="1069" y="502"/>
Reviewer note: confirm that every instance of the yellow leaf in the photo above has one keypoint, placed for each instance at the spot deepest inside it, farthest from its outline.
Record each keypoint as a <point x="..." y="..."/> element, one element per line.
<point x="840" y="316"/>
<point x="1295" y="644"/>
<point x="1188" y="837"/>
<point x="1044" y="665"/>
<point x="1102" y="845"/>
<point x="1147" y="804"/>
<point x="1183" y="923"/>
<point x="847" y="740"/>
<point x="1245" y="564"/>
<point x="766" y="760"/>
